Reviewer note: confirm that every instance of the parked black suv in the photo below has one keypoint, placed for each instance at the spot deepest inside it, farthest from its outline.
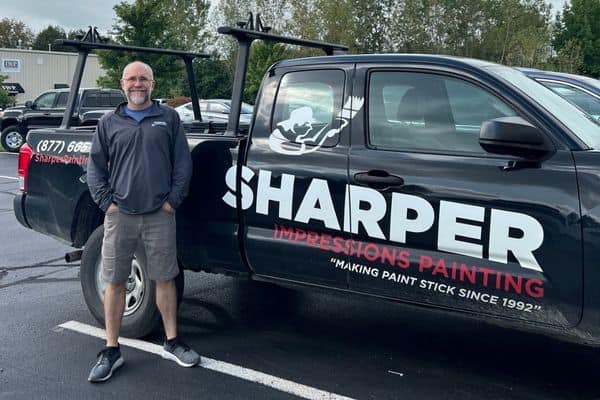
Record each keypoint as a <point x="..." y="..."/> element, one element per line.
<point x="47" y="110"/>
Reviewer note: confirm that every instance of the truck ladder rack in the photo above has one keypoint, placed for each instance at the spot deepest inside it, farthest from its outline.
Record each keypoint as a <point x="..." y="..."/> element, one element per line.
<point x="92" y="40"/>
<point x="245" y="35"/>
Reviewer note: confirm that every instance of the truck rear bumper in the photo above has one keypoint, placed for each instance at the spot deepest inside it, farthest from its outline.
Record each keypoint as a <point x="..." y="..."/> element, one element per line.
<point x="19" y="209"/>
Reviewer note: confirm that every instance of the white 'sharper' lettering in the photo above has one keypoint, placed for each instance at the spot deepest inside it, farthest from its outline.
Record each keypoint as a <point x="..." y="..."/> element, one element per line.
<point x="401" y="224"/>
<point x="317" y="204"/>
<point x="450" y="228"/>
<point x="368" y="207"/>
<point x="523" y="247"/>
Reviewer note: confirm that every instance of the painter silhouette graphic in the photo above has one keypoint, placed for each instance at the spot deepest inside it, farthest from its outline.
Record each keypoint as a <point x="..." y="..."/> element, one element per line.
<point x="309" y="139"/>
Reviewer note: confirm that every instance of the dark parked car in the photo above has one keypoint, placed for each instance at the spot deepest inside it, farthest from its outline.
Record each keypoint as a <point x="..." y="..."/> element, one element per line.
<point x="47" y="110"/>
<point x="580" y="90"/>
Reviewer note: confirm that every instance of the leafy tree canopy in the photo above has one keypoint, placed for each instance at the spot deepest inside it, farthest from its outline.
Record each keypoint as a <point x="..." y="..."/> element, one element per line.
<point x="46" y="38"/>
<point x="579" y="26"/>
<point x="15" y="34"/>
<point x="173" y="24"/>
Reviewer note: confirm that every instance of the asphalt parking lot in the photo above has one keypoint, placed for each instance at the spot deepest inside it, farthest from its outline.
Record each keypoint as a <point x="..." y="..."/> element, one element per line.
<point x="261" y="341"/>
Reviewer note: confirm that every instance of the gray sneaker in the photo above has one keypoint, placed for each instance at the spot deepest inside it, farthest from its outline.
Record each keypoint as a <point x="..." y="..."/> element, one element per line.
<point x="110" y="359"/>
<point x="181" y="353"/>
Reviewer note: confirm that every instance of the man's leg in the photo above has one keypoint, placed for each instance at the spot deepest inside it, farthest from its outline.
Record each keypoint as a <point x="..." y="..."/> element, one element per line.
<point x="158" y="236"/>
<point x="166" y="300"/>
<point x="114" y="306"/>
<point x="110" y="357"/>
<point x="173" y="349"/>
<point x="118" y="246"/>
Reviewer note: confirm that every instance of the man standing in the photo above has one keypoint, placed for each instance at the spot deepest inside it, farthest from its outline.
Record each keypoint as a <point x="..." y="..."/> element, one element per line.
<point x="138" y="173"/>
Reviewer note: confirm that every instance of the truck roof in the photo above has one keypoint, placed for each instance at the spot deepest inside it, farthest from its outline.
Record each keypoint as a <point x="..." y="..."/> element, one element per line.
<point x="403" y="58"/>
<point x="81" y="89"/>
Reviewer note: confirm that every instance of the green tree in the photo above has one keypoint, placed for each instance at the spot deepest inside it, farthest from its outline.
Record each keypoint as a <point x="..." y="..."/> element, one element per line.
<point x="505" y="31"/>
<point x="174" y="24"/>
<point x="464" y="23"/>
<point x="5" y="98"/>
<point x="362" y="25"/>
<point x="15" y="34"/>
<point x="579" y="24"/>
<point x="569" y="57"/>
<point x="370" y="21"/>
<point x="414" y="28"/>
<point x="76" y="34"/>
<point x="45" y="39"/>
<point x="213" y="78"/>
<point x="519" y="33"/>
<point x="229" y="13"/>
<point x="262" y="56"/>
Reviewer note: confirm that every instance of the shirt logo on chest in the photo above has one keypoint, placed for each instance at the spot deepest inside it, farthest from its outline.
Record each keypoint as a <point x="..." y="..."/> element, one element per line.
<point x="159" y="123"/>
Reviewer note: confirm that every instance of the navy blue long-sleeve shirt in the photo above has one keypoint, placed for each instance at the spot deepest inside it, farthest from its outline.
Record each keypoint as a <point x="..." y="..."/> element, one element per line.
<point x="139" y="165"/>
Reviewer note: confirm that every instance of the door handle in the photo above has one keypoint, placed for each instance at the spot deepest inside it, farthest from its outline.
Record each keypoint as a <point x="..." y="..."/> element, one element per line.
<point x="378" y="179"/>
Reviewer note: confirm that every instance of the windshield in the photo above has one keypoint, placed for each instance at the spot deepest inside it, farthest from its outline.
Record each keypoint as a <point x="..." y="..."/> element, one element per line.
<point x="246" y="108"/>
<point x="577" y="121"/>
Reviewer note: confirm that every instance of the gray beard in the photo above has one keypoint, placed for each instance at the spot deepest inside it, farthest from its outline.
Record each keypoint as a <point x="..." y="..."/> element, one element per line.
<point x="139" y="98"/>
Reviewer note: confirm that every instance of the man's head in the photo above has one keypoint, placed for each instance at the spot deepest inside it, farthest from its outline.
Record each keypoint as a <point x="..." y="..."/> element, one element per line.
<point x="137" y="82"/>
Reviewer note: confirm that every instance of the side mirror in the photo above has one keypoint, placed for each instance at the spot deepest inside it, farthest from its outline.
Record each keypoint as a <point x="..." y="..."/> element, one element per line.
<point x="29" y="104"/>
<point x="516" y="137"/>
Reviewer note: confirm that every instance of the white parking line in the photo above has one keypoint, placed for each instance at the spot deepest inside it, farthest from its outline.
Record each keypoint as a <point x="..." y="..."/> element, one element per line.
<point x="274" y="382"/>
<point x="9" y="177"/>
<point x="6" y="152"/>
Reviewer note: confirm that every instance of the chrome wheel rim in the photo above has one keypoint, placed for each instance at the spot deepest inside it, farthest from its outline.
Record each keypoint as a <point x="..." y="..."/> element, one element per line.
<point x="14" y="140"/>
<point x="135" y="287"/>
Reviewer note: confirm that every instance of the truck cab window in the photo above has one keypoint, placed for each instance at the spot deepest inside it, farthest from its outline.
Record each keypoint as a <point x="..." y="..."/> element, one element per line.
<point x="91" y="100"/>
<point x="421" y="111"/>
<point x="115" y="99"/>
<point x="307" y="106"/>
<point x="62" y="99"/>
<point x="104" y="99"/>
<point x="45" y="101"/>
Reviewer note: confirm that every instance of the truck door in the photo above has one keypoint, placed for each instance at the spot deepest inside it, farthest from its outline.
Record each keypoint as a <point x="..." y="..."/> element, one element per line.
<point x="446" y="223"/>
<point x="296" y="176"/>
<point x="48" y="111"/>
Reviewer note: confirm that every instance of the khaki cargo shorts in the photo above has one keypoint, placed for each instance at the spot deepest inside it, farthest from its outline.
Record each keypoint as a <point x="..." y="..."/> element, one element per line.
<point x="150" y="237"/>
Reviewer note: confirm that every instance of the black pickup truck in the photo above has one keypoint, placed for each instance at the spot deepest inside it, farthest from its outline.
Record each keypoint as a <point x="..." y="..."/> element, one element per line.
<point x="47" y="111"/>
<point x="443" y="182"/>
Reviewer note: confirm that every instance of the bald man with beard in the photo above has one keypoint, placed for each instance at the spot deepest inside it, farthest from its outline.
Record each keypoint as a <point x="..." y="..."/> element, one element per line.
<point x="138" y="173"/>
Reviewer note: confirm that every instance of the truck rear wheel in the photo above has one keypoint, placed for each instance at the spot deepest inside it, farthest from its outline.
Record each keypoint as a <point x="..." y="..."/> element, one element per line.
<point x="11" y="139"/>
<point x="141" y="314"/>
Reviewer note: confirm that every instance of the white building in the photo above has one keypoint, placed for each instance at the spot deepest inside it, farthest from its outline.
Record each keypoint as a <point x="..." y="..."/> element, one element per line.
<point x="30" y="72"/>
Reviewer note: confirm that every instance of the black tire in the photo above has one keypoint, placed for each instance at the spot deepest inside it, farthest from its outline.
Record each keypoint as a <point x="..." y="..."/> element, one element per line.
<point x="141" y="313"/>
<point x="11" y="139"/>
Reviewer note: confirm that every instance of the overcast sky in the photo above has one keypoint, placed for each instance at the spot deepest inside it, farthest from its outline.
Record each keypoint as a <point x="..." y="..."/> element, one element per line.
<point x="557" y="5"/>
<point x="68" y="14"/>
<point x="79" y="14"/>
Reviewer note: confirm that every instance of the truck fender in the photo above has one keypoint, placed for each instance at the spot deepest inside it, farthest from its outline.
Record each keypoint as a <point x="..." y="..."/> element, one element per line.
<point x="6" y="122"/>
<point x="87" y="217"/>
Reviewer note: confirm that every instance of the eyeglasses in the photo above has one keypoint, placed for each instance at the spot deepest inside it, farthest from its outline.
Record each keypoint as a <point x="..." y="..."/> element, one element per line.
<point x="142" y="79"/>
